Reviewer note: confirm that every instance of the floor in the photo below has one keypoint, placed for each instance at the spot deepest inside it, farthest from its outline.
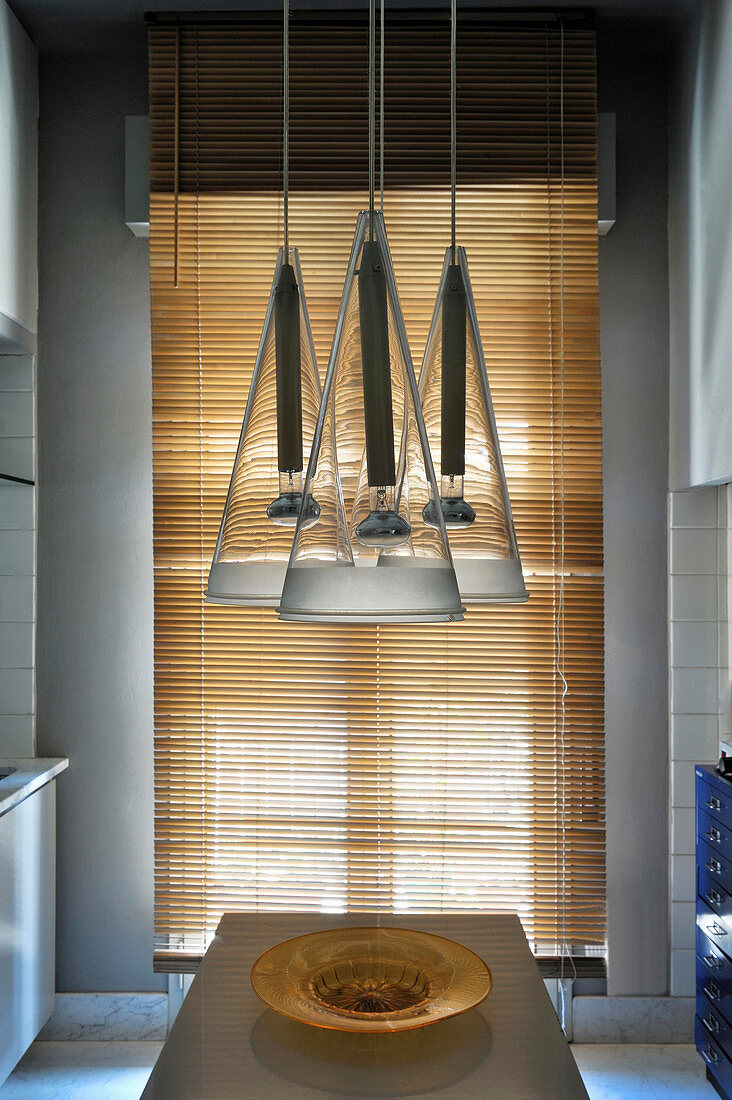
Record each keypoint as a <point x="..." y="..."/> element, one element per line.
<point x="118" y="1071"/>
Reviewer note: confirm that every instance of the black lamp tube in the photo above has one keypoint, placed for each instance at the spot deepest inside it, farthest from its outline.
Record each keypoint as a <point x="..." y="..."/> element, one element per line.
<point x="454" y="311"/>
<point x="376" y="367"/>
<point x="289" y="385"/>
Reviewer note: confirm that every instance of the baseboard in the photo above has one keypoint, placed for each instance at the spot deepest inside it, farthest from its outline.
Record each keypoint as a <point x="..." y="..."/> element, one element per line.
<point x="633" y="1019"/>
<point x="108" y="1016"/>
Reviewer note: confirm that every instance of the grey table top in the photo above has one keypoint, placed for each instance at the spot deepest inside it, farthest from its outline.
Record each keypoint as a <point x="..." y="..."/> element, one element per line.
<point x="226" y="1044"/>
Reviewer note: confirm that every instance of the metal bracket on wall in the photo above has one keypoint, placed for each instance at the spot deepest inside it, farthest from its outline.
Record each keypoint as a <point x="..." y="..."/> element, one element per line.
<point x="605" y="173"/>
<point x="19" y="480"/>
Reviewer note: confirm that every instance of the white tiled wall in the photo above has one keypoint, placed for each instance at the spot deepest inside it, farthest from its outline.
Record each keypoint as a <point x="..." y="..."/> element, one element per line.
<point x="17" y="556"/>
<point x="699" y="677"/>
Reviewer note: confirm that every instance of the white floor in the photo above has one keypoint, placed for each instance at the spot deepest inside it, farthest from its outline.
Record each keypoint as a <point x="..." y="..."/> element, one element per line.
<point x="118" y="1071"/>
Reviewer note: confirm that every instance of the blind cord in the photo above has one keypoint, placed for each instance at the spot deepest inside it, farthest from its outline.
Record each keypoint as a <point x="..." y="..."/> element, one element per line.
<point x="453" y="122"/>
<point x="564" y="947"/>
<point x="286" y="124"/>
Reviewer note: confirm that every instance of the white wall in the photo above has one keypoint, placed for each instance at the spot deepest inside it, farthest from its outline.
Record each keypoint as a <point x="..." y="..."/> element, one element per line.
<point x="18" y="177"/>
<point x="95" y="597"/>
<point x="700" y="250"/>
<point x="634" y="348"/>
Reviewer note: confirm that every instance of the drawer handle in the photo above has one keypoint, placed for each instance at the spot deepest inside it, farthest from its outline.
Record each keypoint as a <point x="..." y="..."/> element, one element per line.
<point x="710" y="1055"/>
<point x="713" y="898"/>
<point x="713" y="803"/>
<point x="712" y="990"/>
<point x="714" y="866"/>
<point x="716" y="929"/>
<point x="712" y="1023"/>
<point x="714" y="835"/>
<point x="713" y="962"/>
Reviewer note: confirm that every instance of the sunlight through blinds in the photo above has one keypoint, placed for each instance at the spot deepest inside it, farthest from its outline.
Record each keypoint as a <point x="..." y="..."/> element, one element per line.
<point x="354" y="767"/>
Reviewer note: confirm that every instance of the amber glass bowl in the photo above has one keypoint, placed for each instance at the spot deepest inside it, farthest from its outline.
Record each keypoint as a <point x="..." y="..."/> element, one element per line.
<point x="370" y="979"/>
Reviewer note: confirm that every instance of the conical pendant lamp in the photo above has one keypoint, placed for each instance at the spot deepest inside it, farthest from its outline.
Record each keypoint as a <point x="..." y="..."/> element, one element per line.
<point x="372" y="556"/>
<point x="458" y="413"/>
<point x="265" y="492"/>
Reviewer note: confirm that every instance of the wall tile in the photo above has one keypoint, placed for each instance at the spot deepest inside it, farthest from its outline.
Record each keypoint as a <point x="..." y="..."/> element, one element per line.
<point x="16" y="735"/>
<point x="683" y="831"/>
<point x="694" y="645"/>
<point x="694" y="598"/>
<point x="683" y="878"/>
<point x="682" y="783"/>
<point x="693" y="690"/>
<point x="16" y="413"/>
<point x="16" y="372"/>
<point x="694" y="550"/>
<point x="16" y="691"/>
<point x="695" y="508"/>
<point x="17" y="457"/>
<point x="16" y="506"/>
<point x="16" y="645"/>
<point x="16" y="599"/>
<point x="17" y="553"/>
<point x="683" y="925"/>
<point x="694" y="737"/>
<point x="683" y="973"/>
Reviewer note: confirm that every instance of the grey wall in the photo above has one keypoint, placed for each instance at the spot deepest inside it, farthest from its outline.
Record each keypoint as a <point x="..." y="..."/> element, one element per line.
<point x="634" y="344"/>
<point x="95" y="563"/>
<point x="700" y="240"/>
<point x="94" y="649"/>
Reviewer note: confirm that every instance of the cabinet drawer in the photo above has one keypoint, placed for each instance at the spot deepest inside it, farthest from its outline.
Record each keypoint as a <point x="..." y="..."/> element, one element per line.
<point x="715" y="916"/>
<point x="714" y="833"/>
<point x="713" y="1055"/>
<point x="714" y="972"/>
<point x="714" y="862"/>
<point x="714" y="1021"/>
<point x="713" y="800"/>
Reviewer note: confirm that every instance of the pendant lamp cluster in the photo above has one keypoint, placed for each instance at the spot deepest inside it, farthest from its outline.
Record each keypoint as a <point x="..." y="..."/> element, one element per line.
<point x="380" y="534"/>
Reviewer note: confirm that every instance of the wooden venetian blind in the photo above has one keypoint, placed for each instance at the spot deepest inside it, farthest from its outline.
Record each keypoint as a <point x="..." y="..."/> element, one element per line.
<point x="354" y="767"/>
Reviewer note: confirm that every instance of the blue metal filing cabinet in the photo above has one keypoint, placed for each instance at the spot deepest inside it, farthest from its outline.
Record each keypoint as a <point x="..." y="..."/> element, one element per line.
<point x="713" y="1025"/>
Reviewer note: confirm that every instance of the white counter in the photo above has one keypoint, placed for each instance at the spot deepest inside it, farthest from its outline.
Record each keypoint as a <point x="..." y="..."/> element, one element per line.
<point x="30" y="774"/>
<point x="27" y="903"/>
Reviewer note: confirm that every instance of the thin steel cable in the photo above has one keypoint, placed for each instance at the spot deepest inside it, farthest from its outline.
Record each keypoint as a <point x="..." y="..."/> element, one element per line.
<point x="372" y="111"/>
<point x="381" y="108"/>
<point x="453" y="121"/>
<point x="286" y="124"/>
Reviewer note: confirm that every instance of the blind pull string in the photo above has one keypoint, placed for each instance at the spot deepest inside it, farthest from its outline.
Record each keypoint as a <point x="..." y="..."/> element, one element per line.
<point x="453" y="121"/>
<point x="564" y="949"/>
<point x="176" y="150"/>
<point x="381" y="109"/>
<point x="286" y="124"/>
<point x="372" y="112"/>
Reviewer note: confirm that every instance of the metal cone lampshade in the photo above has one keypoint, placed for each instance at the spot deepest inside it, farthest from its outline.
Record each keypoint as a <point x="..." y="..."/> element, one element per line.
<point x="458" y="415"/>
<point x="265" y="493"/>
<point x="371" y="556"/>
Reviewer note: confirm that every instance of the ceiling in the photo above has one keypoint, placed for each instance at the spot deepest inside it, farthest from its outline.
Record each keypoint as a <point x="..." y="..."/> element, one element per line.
<point x="83" y="25"/>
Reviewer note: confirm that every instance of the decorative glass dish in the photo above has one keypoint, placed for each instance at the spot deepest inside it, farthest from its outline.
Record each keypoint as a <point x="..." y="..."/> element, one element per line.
<point x="370" y="979"/>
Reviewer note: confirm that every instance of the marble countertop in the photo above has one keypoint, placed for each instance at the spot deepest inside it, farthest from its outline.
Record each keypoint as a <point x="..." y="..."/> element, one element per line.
<point x="29" y="774"/>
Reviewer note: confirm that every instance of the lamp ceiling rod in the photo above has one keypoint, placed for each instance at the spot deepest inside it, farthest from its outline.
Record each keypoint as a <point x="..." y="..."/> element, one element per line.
<point x="453" y="120"/>
<point x="372" y="112"/>
<point x="381" y="108"/>
<point x="286" y="123"/>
